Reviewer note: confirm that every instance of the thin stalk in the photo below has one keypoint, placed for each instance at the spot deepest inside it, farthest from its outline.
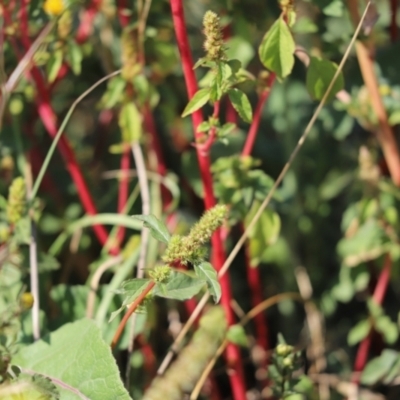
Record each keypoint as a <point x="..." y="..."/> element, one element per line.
<point x="123" y="188"/>
<point x="130" y="311"/>
<point x="58" y="136"/>
<point x="243" y="238"/>
<point x="145" y="236"/>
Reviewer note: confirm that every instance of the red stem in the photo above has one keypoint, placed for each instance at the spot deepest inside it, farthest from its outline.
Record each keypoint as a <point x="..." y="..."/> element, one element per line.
<point x="251" y="136"/>
<point x="49" y="119"/>
<point x="256" y="293"/>
<point x="232" y="352"/>
<point x="378" y="296"/>
<point x="130" y="311"/>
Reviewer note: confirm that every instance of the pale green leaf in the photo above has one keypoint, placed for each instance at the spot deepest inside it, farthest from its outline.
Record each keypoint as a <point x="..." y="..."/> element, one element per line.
<point x="241" y="104"/>
<point x="78" y="362"/>
<point x="180" y="286"/>
<point x="207" y="272"/>
<point x="200" y="98"/>
<point x="157" y="228"/>
<point x="130" y="122"/>
<point x="358" y="332"/>
<point x="277" y="49"/>
<point x="319" y="76"/>
<point x="237" y="335"/>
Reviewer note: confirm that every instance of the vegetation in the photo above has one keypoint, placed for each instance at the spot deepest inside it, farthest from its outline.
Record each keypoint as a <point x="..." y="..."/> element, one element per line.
<point x="199" y="199"/>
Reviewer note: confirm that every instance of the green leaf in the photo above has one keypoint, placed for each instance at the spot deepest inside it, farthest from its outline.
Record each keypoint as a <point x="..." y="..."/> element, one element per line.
<point x="180" y="286"/>
<point x="114" y="93"/>
<point x="264" y="234"/>
<point x="366" y="244"/>
<point x="277" y="49"/>
<point x="54" y="64"/>
<point x="75" y="57"/>
<point x="387" y="328"/>
<point x="130" y="122"/>
<point x="334" y="9"/>
<point x="200" y="98"/>
<point x="241" y="104"/>
<point x="319" y="76"/>
<point x="237" y="335"/>
<point x="378" y="367"/>
<point x="226" y="129"/>
<point x="358" y="332"/>
<point x="131" y="290"/>
<point x="207" y="272"/>
<point x="77" y="361"/>
<point x="157" y="228"/>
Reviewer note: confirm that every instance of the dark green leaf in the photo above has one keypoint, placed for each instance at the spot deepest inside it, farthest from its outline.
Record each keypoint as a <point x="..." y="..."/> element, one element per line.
<point x="319" y="76"/>
<point x="157" y="228"/>
<point x="277" y="49"/>
<point x="207" y="272"/>
<point x="241" y="104"/>
<point x="200" y="98"/>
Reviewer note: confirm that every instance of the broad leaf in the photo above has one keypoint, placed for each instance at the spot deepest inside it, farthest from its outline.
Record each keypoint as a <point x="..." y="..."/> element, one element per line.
<point x="157" y="228"/>
<point x="277" y="49"/>
<point x="319" y="76"/>
<point x="207" y="272"/>
<point x="241" y="104"/>
<point x="200" y="98"/>
<point x="77" y="361"/>
<point x="180" y="286"/>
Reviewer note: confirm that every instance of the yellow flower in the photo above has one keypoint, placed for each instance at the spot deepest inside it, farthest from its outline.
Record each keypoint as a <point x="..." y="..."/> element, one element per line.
<point x="53" y="7"/>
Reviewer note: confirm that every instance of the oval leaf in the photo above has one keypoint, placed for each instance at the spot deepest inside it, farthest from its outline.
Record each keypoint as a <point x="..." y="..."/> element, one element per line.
<point x="180" y="286"/>
<point x="237" y="335"/>
<point x="358" y="332"/>
<point x="54" y="65"/>
<point x="130" y="122"/>
<point x="197" y="101"/>
<point x="277" y="49"/>
<point x="319" y="76"/>
<point x="157" y="228"/>
<point x="241" y="104"/>
<point x="207" y="272"/>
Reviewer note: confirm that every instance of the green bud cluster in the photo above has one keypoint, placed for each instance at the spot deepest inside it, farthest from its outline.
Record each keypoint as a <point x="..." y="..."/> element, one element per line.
<point x="129" y="54"/>
<point x="214" y="43"/>
<point x="160" y="274"/>
<point x="189" y="248"/>
<point x="183" y="374"/>
<point x="16" y="205"/>
<point x="284" y="362"/>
